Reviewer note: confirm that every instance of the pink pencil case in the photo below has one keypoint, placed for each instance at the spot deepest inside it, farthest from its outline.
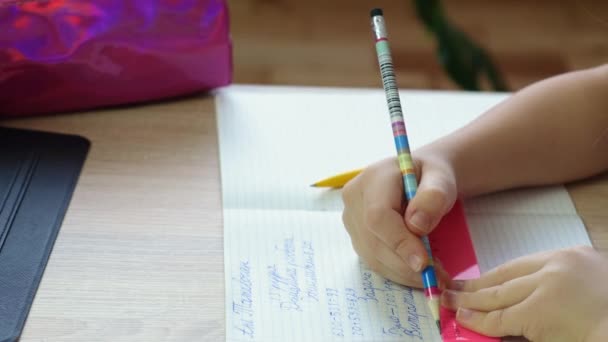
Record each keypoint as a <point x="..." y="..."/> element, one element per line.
<point x="65" y="55"/>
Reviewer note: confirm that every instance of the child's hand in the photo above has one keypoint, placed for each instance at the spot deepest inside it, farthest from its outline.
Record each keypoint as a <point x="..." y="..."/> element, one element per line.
<point x="374" y="216"/>
<point x="552" y="296"/>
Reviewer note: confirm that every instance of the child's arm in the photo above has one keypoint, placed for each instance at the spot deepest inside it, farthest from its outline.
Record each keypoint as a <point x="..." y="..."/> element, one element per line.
<point x="554" y="131"/>
<point x="551" y="132"/>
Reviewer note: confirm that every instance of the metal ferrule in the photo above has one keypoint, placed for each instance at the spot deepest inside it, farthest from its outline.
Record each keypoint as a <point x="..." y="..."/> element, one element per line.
<point x="378" y="27"/>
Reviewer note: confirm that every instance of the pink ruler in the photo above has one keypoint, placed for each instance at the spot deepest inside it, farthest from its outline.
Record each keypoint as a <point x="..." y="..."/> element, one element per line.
<point x="451" y="244"/>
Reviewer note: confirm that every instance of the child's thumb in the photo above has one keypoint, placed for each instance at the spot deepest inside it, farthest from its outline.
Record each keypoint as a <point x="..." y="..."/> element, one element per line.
<point x="434" y="198"/>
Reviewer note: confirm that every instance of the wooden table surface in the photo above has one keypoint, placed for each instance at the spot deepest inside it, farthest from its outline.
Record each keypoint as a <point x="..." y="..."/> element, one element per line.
<point x="139" y="256"/>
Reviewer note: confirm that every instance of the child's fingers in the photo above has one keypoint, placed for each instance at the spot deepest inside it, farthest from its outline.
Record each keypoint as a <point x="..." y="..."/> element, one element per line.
<point x="386" y="263"/>
<point x="492" y="298"/>
<point x="387" y="225"/>
<point x="383" y="186"/>
<point x="513" y="269"/>
<point x="425" y="211"/>
<point x="381" y="259"/>
<point x="387" y="257"/>
<point x="409" y="279"/>
<point x="502" y="322"/>
<point x="382" y="217"/>
<point x="434" y="198"/>
<point x="443" y="277"/>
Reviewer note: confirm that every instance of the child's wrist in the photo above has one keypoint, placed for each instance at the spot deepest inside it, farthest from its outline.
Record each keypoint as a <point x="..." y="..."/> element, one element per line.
<point x="449" y="158"/>
<point x="470" y="173"/>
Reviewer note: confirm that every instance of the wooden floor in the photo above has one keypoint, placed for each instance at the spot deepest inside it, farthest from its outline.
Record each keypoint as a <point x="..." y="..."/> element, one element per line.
<point x="328" y="43"/>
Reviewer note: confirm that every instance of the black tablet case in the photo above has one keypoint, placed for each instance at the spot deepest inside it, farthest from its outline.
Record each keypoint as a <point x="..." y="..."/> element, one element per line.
<point x="38" y="173"/>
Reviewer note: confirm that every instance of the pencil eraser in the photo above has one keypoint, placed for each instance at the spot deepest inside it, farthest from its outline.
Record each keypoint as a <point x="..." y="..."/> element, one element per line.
<point x="375" y="12"/>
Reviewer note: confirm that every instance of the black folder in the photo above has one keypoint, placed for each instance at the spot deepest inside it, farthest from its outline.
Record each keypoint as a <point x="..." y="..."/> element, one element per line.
<point x="38" y="174"/>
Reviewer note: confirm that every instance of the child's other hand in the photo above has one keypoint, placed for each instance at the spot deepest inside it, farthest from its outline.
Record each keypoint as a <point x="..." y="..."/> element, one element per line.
<point x="552" y="296"/>
<point x="374" y="216"/>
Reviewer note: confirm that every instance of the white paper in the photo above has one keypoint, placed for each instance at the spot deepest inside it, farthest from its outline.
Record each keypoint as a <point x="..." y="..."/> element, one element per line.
<point x="293" y="276"/>
<point x="498" y="238"/>
<point x="512" y="224"/>
<point x="274" y="142"/>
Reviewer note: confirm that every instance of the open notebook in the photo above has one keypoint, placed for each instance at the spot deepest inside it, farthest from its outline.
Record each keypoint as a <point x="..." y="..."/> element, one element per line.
<point x="291" y="273"/>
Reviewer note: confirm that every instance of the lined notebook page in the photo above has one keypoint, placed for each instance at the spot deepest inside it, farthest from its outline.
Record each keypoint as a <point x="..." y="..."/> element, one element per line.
<point x="293" y="276"/>
<point x="274" y="142"/>
<point x="508" y="225"/>
<point x="501" y="237"/>
<point x="552" y="200"/>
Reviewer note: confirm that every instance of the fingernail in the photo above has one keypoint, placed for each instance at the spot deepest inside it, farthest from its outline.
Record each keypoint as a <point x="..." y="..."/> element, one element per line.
<point x="457" y="285"/>
<point x="421" y="220"/>
<point x="448" y="298"/>
<point x="464" y="314"/>
<point x="415" y="262"/>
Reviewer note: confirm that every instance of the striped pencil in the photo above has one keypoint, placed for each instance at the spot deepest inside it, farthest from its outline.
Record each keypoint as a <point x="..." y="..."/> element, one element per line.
<point x="403" y="151"/>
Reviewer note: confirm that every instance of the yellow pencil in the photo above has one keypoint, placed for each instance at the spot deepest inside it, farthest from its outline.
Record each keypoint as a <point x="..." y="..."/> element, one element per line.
<point x="337" y="181"/>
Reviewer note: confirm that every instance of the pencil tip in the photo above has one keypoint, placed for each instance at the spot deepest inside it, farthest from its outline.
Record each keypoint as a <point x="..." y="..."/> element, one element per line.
<point x="438" y="326"/>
